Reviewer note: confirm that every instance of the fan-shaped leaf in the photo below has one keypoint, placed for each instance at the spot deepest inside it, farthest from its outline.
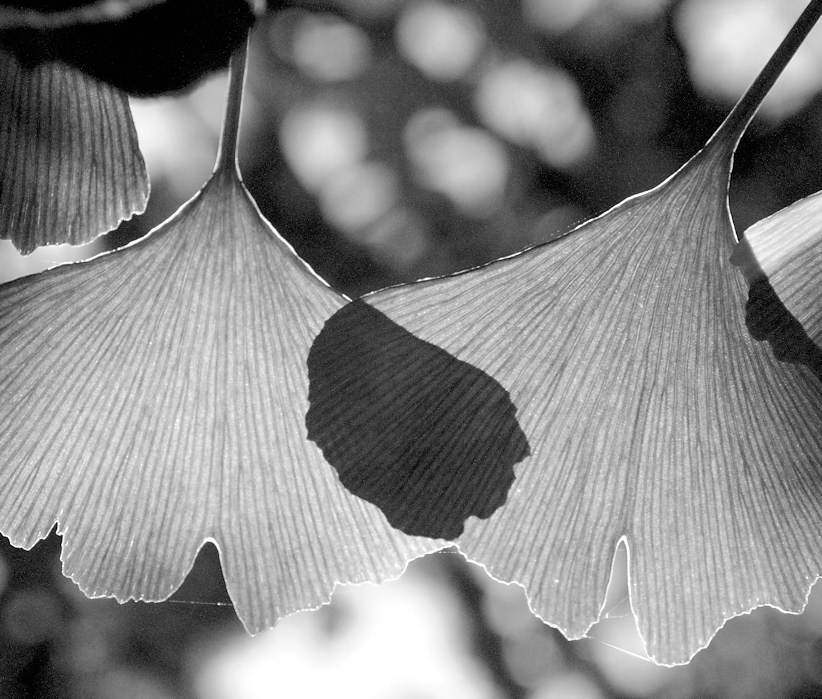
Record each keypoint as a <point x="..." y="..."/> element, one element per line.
<point x="651" y="416"/>
<point x="71" y="165"/>
<point x="782" y="258"/>
<point x="154" y="399"/>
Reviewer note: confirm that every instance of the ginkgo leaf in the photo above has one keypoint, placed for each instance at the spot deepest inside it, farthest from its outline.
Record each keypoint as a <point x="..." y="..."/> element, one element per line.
<point x="781" y="257"/>
<point x="71" y="165"/>
<point x="651" y="415"/>
<point x="146" y="48"/>
<point x="153" y="399"/>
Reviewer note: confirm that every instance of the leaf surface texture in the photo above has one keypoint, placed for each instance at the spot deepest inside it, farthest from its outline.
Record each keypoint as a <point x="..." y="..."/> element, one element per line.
<point x="154" y="399"/>
<point x="71" y="165"/>
<point x="650" y="412"/>
<point x="786" y="250"/>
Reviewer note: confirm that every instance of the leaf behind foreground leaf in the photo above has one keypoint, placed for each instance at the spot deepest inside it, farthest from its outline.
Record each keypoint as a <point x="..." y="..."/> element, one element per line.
<point x="71" y="166"/>
<point x="781" y="256"/>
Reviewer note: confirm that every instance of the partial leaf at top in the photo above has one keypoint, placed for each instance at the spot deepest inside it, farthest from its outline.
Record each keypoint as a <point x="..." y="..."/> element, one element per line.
<point x="148" y="49"/>
<point x="70" y="165"/>
<point x="48" y="14"/>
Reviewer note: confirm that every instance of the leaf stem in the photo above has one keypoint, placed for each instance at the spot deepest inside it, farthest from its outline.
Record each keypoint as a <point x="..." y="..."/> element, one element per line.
<point x="227" y="153"/>
<point x="730" y="131"/>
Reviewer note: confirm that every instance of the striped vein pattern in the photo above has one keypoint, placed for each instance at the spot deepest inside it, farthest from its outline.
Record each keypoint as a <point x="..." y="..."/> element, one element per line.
<point x="70" y="166"/>
<point x="154" y="398"/>
<point x="786" y="248"/>
<point x="651" y="415"/>
<point x="439" y="444"/>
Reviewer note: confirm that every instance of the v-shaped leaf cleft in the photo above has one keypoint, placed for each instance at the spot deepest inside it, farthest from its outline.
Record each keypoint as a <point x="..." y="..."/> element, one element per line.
<point x="651" y="414"/>
<point x="153" y="399"/>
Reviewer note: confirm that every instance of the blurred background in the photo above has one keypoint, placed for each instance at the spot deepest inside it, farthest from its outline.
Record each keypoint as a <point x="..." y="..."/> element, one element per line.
<point x="389" y="140"/>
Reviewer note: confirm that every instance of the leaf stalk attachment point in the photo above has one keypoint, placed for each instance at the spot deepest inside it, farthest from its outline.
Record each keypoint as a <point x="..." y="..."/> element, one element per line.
<point x="227" y="153"/>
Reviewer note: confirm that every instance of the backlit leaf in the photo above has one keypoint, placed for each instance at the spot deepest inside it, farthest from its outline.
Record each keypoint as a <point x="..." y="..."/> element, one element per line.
<point x="651" y="414"/>
<point x="153" y="400"/>
<point x="71" y="167"/>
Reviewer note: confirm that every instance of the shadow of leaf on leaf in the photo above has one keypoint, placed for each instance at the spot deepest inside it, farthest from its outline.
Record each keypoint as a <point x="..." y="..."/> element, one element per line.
<point x="428" y="438"/>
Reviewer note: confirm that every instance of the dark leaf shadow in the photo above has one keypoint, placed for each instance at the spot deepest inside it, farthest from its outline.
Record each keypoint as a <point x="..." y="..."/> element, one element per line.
<point x="768" y="319"/>
<point x="430" y="439"/>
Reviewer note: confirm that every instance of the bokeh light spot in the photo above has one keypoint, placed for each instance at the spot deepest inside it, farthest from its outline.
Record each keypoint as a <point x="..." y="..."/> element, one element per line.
<point x="405" y="638"/>
<point x="557" y="16"/>
<point x="560" y="16"/>
<point x="13" y="264"/>
<point x="178" y="135"/>
<point x="330" y="49"/>
<point x="466" y="164"/>
<point x="532" y="656"/>
<point x="569" y="685"/>
<point x="728" y="42"/>
<point x="398" y="239"/>
<point x="358" y="195"/>
<point x="537" y="107"/>
<point x="320" y="140"/>
<point x="443" y="41"/>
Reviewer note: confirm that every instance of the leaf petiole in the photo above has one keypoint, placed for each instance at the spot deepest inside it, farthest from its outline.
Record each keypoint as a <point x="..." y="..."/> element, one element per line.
<point x="227" y="153"/>
<point x="730" y="131"/>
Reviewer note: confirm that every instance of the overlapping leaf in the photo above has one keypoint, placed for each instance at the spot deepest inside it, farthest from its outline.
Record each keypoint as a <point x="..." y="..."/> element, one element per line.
<point x="782" y="259"/>
<point x="71" y="167"/>
<point x="651" y="415"/>
<point x="156" y="398"/>
<point x="153" y="399"/>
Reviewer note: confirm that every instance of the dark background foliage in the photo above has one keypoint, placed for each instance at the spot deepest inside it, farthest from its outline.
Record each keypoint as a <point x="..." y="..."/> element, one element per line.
<point x="163" y="47"/>
<point x="398" y="139"/>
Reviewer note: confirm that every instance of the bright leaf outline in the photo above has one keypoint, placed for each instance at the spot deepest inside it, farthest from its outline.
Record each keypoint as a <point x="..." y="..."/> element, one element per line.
<point x="781" y="256"/>
<point x="153" y="401"/>
<point x="72" y="168"/>
<point x="651" y="414"/>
